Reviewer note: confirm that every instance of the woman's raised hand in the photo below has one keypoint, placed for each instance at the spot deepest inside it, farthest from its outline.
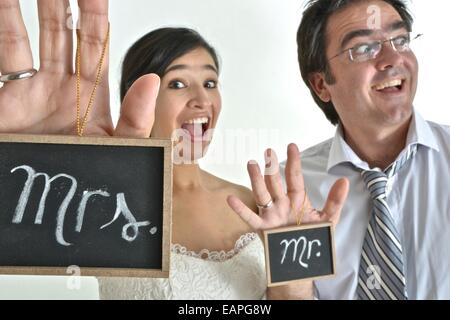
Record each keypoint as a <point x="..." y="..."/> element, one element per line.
<point x="279" y="208"/>
<point x="46" y="103"/>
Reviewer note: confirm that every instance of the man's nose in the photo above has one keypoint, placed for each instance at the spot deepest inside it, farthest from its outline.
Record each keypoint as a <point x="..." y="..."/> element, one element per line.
<point x="389" y="57"/>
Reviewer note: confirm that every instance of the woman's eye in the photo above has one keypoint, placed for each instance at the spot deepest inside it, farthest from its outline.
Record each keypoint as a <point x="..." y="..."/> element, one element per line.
<point x="211" y="84"/>
<point x="176" y="85"/>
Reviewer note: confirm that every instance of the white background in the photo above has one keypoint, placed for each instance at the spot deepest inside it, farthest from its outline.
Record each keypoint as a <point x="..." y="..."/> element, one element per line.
<point x="261" y="85"/>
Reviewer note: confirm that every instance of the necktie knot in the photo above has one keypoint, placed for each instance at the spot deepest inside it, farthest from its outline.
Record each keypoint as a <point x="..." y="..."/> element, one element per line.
<point x="376" y="183"/>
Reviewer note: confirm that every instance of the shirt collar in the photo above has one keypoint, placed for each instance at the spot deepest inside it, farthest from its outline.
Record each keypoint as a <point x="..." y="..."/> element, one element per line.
<point x="340" y="152"/>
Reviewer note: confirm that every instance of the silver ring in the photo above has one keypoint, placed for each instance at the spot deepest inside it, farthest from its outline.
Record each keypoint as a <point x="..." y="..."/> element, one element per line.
<point x="26" y="74"/>
<point x="266" y="206"/>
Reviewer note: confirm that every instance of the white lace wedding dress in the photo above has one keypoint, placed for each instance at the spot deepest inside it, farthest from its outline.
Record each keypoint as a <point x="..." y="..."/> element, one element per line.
<point x="235" y="275"/>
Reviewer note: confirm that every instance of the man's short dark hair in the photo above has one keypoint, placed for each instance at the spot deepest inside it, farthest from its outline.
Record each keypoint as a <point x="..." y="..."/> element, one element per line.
<point x="311" y="40"/>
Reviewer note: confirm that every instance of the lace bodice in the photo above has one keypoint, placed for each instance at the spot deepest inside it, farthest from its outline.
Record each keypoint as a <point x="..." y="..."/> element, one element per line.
<point x="233" y="275"/>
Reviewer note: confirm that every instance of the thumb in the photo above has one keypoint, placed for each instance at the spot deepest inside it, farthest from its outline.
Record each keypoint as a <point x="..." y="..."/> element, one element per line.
<point x="137" y="113"/>
<point x="336" y="200"/>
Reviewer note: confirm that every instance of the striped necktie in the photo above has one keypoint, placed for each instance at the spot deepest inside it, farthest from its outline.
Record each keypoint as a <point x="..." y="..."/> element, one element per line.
<point x="381" y="271"/>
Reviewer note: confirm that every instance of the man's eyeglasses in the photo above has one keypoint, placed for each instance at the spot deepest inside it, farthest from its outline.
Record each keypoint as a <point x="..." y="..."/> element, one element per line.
<point x="370" y="50"/>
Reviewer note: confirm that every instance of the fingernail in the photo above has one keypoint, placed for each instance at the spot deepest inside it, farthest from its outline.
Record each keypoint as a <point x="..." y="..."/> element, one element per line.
<point x="268" y="158"/>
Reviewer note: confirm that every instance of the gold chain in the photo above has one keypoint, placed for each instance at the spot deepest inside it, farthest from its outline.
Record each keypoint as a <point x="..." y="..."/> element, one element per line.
<point x="81" y="126"/>
<point x="302" y="210"/>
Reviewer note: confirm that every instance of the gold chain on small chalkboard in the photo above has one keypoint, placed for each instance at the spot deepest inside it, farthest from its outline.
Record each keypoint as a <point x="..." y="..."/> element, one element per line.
<point x="302" y="210"/>
<point x="81" y="125"/>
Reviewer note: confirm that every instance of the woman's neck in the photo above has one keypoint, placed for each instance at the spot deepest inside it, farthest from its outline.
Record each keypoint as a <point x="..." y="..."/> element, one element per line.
<point x="186" y="177"/>
<point x="378" y="147"/>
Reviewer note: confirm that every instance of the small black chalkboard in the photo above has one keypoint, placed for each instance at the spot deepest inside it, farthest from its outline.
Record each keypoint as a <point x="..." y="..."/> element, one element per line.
<point x="101" y="204"/>
<point x="299" y="253"/>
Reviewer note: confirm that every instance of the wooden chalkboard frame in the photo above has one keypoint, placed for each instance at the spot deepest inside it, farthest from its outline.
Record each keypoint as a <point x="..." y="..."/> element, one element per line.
<point x="266" y="234"/>
<point x="167" y="204"/>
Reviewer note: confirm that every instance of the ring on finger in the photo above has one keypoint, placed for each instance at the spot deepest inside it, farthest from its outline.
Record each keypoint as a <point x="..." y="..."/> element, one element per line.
<point x="265" y="206"/>
<point x="25" y="74"/>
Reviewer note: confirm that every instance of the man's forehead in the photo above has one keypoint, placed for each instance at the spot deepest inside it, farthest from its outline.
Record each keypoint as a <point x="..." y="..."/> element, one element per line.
<point x="373" y="15"/>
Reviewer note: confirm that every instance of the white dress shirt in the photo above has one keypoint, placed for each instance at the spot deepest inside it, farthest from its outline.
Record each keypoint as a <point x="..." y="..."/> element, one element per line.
<point x="419" y="200"/>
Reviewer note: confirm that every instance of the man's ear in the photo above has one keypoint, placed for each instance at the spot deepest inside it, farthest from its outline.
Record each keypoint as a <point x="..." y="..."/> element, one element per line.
<point x="318" y="84"/>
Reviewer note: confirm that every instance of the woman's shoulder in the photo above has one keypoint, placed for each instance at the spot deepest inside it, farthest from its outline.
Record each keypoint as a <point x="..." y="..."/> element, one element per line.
<point x="229" y="188"/>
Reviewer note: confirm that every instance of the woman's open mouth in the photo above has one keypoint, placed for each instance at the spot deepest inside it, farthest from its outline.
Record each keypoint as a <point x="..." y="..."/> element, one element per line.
<point x="196" y="128"/>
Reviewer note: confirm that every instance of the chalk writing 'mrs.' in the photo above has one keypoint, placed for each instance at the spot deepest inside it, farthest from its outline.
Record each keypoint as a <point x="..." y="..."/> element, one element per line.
<point x="302" y="260"/>
<point x="23" y="200"/>
<point x="122" y="206"/>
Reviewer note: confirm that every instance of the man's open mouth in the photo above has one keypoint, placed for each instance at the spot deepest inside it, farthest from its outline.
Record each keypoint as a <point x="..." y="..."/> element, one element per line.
<point x="390" y="86"/>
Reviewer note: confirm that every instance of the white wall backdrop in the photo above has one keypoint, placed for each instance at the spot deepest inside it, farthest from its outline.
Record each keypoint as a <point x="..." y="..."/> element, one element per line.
<point x="263" y="95"/>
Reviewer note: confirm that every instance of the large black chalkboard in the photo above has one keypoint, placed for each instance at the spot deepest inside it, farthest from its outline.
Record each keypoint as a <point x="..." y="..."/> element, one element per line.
<point x="107" y="209"/>
<point x="299" y="253"/>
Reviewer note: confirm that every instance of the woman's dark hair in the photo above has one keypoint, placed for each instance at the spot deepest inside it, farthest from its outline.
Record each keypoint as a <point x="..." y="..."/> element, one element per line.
<point x="312" y="42"/>
<point x="155" y="51"/>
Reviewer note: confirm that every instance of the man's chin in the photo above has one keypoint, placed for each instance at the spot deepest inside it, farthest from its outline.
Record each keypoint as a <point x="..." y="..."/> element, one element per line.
<point x="397" y="115"/>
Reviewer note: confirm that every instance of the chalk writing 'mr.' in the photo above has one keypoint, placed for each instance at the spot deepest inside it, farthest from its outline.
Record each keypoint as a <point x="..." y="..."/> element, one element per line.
<point x="302" y="259"/>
